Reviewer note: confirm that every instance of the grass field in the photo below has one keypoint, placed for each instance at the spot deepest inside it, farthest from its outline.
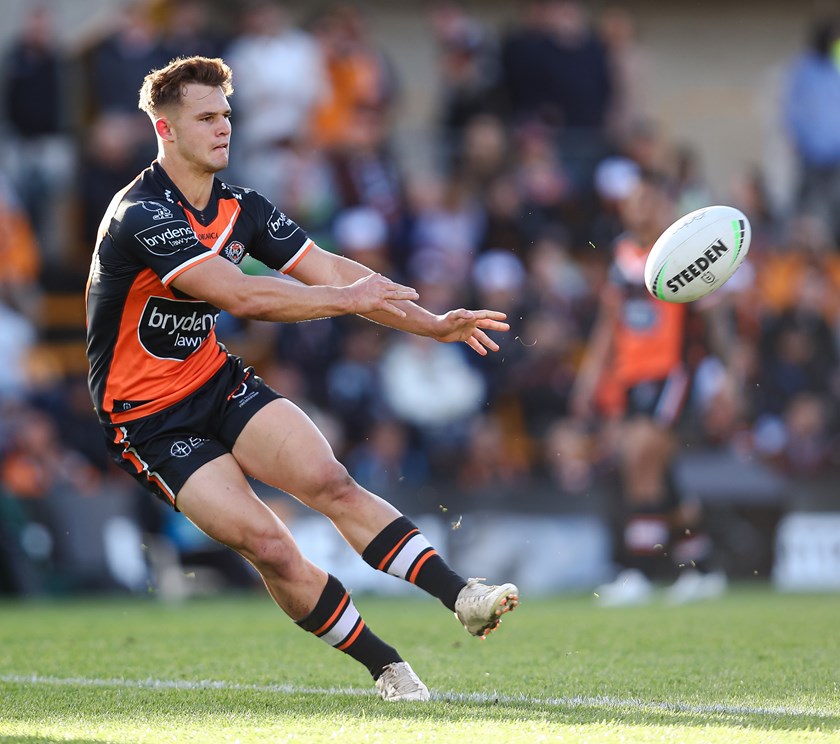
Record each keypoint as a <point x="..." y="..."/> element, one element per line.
<point x="752" y="667"/>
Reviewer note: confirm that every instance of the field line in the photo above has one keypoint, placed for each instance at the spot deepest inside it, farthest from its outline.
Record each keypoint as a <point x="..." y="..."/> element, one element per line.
<point x="577" y="701"/>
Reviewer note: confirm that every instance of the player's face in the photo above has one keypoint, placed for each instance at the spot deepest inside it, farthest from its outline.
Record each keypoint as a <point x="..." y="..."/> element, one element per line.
<point x="201" y="125"/>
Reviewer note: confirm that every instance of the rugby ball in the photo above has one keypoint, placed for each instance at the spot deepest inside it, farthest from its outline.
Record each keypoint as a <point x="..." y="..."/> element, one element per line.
<point x="697" y="254"/>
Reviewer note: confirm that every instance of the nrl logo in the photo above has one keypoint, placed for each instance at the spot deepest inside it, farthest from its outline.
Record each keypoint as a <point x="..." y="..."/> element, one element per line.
<point x="234" y="251"/>
<point x="160" y="212"/>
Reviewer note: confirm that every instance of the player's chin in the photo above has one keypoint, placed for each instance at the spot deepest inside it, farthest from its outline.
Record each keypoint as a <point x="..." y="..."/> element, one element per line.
<point x="219" y="158"/>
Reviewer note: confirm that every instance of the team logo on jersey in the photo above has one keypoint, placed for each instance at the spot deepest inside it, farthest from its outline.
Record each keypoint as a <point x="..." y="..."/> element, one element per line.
<point x="174" y="329"/>
<point x="160" y="212"/>
<point x="167" y="238"/>
<point x="234" y="251"/>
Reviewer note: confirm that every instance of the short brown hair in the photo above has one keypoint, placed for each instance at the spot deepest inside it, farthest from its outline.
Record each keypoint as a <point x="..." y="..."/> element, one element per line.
<point x="165" y="86"/>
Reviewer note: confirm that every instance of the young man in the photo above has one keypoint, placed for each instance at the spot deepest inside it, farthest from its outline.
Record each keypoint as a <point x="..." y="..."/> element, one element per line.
<point x="190" y="421"/>
<point x="635" y="372"/>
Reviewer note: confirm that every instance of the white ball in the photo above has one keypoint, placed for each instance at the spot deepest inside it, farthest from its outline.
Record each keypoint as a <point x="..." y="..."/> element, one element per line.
<point x="697" y="254"/>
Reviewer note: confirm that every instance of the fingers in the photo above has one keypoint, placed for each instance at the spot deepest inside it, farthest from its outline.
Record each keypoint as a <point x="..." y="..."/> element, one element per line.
<point x="489" y="314"/>
<point x="492" y="325"/>
<point x="476" y="346"/>
<point x="484" y="339"/>
<point x="480" y="342"/>
<point x="393" y="309"/>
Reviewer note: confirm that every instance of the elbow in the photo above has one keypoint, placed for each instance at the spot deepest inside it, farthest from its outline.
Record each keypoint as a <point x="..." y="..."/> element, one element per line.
<point x="243" y="304"/>
<point x="248" y="308"/>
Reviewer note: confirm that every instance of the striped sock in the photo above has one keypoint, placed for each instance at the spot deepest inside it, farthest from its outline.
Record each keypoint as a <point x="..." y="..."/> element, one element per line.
<point x="336" y="621"/>
<point x="402" y="551"/>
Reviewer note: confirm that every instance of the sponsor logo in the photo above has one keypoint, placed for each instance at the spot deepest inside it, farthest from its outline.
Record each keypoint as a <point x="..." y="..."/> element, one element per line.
<point x="280" y="226"/>
<point x="167" y="238"/>
<point x="234" y="251"/>
<point x="699" y="267"/>
<point x="212" y="235"/>
<point x="180" y="449"/>
<point x="168" y="194"/>
<point x="174" y="329"/>
<point x="160" y="212"/>
<point x="183" y="448"/>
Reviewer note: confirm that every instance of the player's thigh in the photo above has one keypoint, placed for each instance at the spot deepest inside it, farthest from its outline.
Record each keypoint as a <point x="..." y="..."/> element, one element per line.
<point x="281" y="446"/>
<point x="218" y="499"/>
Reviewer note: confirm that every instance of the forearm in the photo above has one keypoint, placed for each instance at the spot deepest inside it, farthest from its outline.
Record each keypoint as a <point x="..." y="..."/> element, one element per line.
<point x="417" y="320"/>
<point x="280" y="300"/>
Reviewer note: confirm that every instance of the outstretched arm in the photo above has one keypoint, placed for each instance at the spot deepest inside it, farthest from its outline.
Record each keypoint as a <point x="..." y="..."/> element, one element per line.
<point x="469" y="326"/>
<point x="222" y="284"/>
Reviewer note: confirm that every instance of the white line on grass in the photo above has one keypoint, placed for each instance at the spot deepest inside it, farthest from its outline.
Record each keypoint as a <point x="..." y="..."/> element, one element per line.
<point x="576" y="701"/>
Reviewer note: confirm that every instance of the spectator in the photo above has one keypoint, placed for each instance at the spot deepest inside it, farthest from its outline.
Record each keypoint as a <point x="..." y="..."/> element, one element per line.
<point x="20" y="256"/>
<point x="121" y="60"/>
<point x="280" y="77"/>
<point x="39" y="153"/>
<point x="557" y="73"/>
<point x="628" y="71"/>
<point x="470" y="74"/>
<point x="811" y="113"/>
<point x="359" y="74"/>
<point x="187" y="31"/>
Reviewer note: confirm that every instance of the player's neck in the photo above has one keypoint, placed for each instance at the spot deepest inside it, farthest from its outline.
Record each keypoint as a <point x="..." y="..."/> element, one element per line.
<point x="195" y="185"/>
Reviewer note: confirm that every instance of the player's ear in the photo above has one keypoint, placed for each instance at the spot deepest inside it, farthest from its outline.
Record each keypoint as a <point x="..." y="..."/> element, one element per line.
<point x="163" y="129"/>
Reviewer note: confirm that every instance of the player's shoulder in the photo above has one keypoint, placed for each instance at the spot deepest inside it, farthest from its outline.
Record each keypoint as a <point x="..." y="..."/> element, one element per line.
<point x="149" y="220"/>
<point x="144" y="203"/>
<point x="247" y="197"/>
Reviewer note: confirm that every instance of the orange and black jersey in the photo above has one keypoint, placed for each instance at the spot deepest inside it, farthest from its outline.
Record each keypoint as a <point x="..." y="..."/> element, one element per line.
<point x="650" y="334"/>
<point x="149" y="345"/>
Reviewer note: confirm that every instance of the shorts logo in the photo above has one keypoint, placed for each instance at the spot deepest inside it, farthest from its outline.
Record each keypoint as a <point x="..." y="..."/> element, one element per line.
<point x="180" y="449"/>
<point x="161" y="212"/>
<point x="183" y="449"/>
<point x="174" y="329"/>
<point x="242" y="396"/>
<point x="167" y="238"/>
<point x="234" y="251"/>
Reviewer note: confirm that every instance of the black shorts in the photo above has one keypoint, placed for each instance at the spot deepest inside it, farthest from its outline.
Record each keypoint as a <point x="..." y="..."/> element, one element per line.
<point x="661" y="400"/>
<point x="163" y="450"/>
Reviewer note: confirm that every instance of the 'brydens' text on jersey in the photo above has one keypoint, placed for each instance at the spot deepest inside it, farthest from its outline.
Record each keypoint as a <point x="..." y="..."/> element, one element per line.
<point x="698" y="266"/>
<point x="172" y="329"/>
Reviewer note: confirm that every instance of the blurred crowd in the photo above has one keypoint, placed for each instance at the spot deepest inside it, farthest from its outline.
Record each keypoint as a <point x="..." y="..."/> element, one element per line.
<point x="541" y="138"/>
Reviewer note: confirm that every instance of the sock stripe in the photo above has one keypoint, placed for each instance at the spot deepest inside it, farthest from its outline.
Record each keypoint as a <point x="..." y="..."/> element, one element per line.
<point x="344" y="626"/>
<point x="354" y="634"/>
<point x="407" y="557"/>
<point x="334" y="617"/>
<point x="419" y="564"/>
<point x="384" y="562"/>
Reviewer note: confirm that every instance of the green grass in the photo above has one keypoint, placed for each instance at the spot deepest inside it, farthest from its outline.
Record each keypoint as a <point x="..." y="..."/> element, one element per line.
<point x="753" y="667"/>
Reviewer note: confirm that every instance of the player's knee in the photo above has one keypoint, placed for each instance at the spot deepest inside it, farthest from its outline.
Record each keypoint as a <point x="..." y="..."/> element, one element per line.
<point x="273" y="553"/>
<point x="333" y="487"/>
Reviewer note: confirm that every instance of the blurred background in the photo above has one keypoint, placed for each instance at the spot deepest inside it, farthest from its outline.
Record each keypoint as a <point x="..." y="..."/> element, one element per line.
<point x="491" y="154"/>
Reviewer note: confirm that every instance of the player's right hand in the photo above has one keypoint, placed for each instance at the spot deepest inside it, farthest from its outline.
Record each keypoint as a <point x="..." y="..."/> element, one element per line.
<point x="376" y="292"/>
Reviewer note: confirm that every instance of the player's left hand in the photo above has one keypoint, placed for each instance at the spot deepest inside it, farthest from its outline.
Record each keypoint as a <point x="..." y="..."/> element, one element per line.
<point x="469" y="326"/>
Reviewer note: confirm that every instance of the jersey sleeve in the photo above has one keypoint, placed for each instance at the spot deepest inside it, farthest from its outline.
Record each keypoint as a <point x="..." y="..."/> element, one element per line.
<point x="159" y="236"/>
<point x="280" y="242"/>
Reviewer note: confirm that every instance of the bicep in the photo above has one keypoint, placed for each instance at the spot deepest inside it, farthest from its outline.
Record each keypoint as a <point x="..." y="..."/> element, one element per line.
<point x="215" y="280"/>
